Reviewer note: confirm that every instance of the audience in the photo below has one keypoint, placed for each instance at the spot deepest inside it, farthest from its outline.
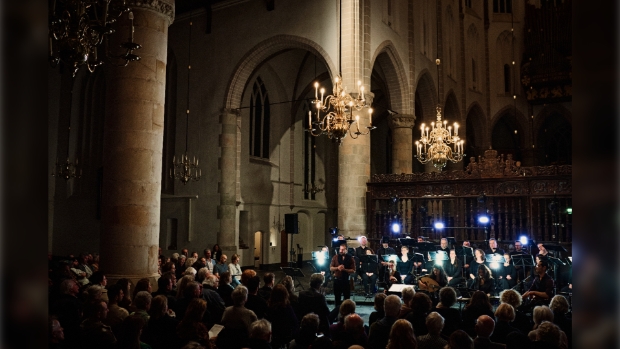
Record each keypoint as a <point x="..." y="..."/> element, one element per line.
<point x="379" y="313"/>
<point x="265" y="291"/>
<point x="405" y="309"/>
<point x="160" y="332"/>
<point x="56" y="335"/>
<point x="94" y="333"/>
<point x="433" y="340"/>
<point x="307" y="332"/>
<point x="290" y="287"/>
<point x="261" y="335"/>
<point x="379" y="333"/>
<point x="337" y="330"/>
<point x="402" y="336"/>
<point x="421" y="305"/>
<point x="237" y="316"/>
<point x="142" y="303"/>
<point x="452" y="317"/>
<point x="459" y="339"/>
<point x="354" y="333"/>
<point x="281" y="315"/>
<point x="521" y="321"/>
<point x="255" y="302"/>
<point x="126" y="287"/>
<point x="116" y="314"/>
<point x="312" y="301"/>
<point x="215" y="303"/>
<point x="484" y="329"/>
<point x="129" y="335"/>
<point x="225" y="289"/>
<point x="541" y="314"/>
<point x="477" y="306"/>
<point x="191" y="328"/>
<point x="559" y="307"/>
<point x="504" y="315"/>
<point x="548" y="336"/>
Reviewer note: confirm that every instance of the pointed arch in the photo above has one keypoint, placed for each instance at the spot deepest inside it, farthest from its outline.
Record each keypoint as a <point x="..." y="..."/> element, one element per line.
<point x="387" y="57"/>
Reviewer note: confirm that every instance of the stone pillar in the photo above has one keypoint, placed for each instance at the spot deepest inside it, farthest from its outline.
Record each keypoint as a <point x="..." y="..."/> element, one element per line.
<point x="133" y="141"/>
<point x="227" y="237"/>
<point x="402" y="138"/>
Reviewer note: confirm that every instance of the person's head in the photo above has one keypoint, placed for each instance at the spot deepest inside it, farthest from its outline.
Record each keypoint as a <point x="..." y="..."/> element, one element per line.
<point x="479" y="254"/>
<point x="402" y="336"/>
<point x="391" y="264"/>
<point x="340" y="237"/>
<point x="309" y="324"/>
<point x="452" y="254"/>
<point x="368" y="252"/>
<point x="192" y="290"/>
<point x="159" y="306"/>
<point x="408" y="294"/>
<point x="183" y="284"/>
<point x="541" y="267"/>
<point x="559" y="304"/>
<point x="94" y="292"/>
<point x="211" y="280"/>
<point x="466" y="243"/>
<point x="492" y="243"/>
<point x="392" y="305"/>
<point x="420" y="239"/>
<point x="195" y="255"/>
<point x="459" y="339"/>
<point x="164" y="283"/>
<point x="96" y="310"/>
<point x="290" y="286"/>
<point x="404" y="250"/>
<point x="234" y="259"/>
<point x="170" y="266"/>
<point x="325" y="249"/>
<point x="70" y="287"/>
<point x="195" y="310"/>
<point x="511" y="297"/>
<point x="126" y="286"/>
<point x="505" y="312"/>
<point x="354" y="324"/>
<point x="223" y="258"/>
<point x="115" y="293"/>
<point x="55" y="331"/>
<point x="444" y="243"/>
<point x="261" y="329"/>
<point x="342" y="250"/>
<point x="479" y="299"/>
<point x="434" y="323"/>
<point x="507" y="257"/>
<point x="316" y="280"/>
<point x="438" y="270"/>
<point x="207" y="253"/>
<point x="143" y="284"/>
<point x="142" y="300"/>
<point x="347" y="307"/>
<point x="542" y="249"/>
<point x="421" y="303"/>
<point x="385" y="241"/>
<point x="269" y="277"/>
<point x="447" y="296"/>
<point x="542" y="313"/>
<point x="225" y="278"/>
<point x="185" y="252"/>
<point x="202" y="274"/>
<point x="380" y="301"/>
<point x="484" y="272"/>
<point x="98" y="278"/>
<point x="253" y="284"/>
<point x="246" y="275"/>
<point x="548" y="333"/>
<point x="518" y="246"/>
<point x="484" y="326"/>
<point x="363" y="240"/>
<point x="239" y="295"/>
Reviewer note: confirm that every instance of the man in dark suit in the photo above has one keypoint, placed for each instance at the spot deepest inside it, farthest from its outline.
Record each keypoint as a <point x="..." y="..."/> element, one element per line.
<point x="484" y="329"/>
<point x="312" y="301"/>
<point x="265" y="291"/>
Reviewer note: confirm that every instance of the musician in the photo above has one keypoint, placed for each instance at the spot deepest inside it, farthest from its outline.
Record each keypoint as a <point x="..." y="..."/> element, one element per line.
<point x="342" y="265"/>
<point x="360" y="252"/>
<point x="384" y="251"/>
<point x="484" y="281"/>
<point x="479" y="261"/>
<point x="392" y="276"/>
<point x="541" y="290"/>
<point x="453" y="270"/>
<point x="369" y="274"/>
<point x="542" y="250"/>
<point x="507" y="274"/>
<point x="438" y="275"/>
<point x="443" y="244"/>
<point x="405" y="266"/>
<point x="519" y="250"/>
<point x="493" y="247"/>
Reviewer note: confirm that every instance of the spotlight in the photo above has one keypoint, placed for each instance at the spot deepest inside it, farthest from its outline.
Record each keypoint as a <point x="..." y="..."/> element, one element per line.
<point x="483" y="219"/>
<point x="335" y="239"/>
<point x="523" y="240"/>
<point x="439" y="263"/>
<point x="569" y="210"/>
<point x="395" y="228"/>
<point x="320" y="261"/>
<point x="439" y="225"/>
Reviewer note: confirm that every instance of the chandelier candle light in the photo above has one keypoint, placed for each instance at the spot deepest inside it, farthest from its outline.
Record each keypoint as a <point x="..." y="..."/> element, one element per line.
<point x="338" y="108"/>
<point x="434" y="143"/>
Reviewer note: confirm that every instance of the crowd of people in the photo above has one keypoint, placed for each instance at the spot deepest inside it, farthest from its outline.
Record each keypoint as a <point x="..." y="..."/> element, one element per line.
<point x="203" y="302"/>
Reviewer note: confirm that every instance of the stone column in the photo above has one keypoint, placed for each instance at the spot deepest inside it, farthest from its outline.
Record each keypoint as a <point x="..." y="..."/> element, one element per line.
<point x="133" y="141"/>
<point x="227" y="237"/>
<point x="402" y="147"/>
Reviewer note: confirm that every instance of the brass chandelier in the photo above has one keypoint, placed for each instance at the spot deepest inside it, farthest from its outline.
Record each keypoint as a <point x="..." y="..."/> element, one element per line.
<point x="338" y="118"/>
<point x="77" y="28"/>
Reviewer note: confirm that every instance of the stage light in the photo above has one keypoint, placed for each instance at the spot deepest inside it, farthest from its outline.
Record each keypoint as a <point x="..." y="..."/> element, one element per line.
<point x="439" y="225"/>
<point x="494" y="265"/>
<point x="484" y="219"/>
<point x="569" y="210"/>
<point x="395" y="228"/>
<point x="320" y="261"/>
<point x="523" y="240"/>
<point x="335" y="239"/>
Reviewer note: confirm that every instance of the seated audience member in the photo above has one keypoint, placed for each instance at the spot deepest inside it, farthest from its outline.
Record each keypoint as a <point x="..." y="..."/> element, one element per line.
<point x="190" y="271"/>
<point x="143" y="284"/>
<point x="94" y="333"/>
<point x="484" y="329"/>
<point x="452" y="317"/>
<point x="225" y="289"/>
<point x="185" y="280"/>
<point x="541" y="314"/>
<point x="142" y="303"/>
<point x="237" y="316"/>
<point x="221" y="266"/>
<point x="192" y="290"/>
<point x="401" y="336"/>
<point x="282" y="317"/>
<point x="189" y="263"/>
<point x="126" y="287"/>
<point x="505" y="314"/>
<point x="354" y="333"/>
<point x="559" y="307"/>
<point x="164" y="288"/>
<point x="169" y="267"/>
<point x="548" y="336"/>
<point x="79" y="274"/>
<point x="292" y="296"/>
<point x="201" y="274"/>
<point x="337" y="330"/>
<point x="379" y="313"/>
<point x="518" y="340"/>
<point x="130" y="332"/>
<point x="116" y="314"/>
<point x="313" y="301"/>
<point x="99" y="279"/>
<point x="379" y="333"/>
<point x="93" y="293"/>
<point x="246" y="275"/>
<point x="255" y="302"/>
<point x="235" y="270"/>
<point x="433" y="340"/>
<point x="68" y="309"/>
<point x="478" y="305"/>
<point x="459" y="339"/>
<point x="209" y="262"/>
<point x="265" y="291"/>
<point x="405" y="309"/>
<point x="199" y="263"/>
<point x="215" y="303"/>
<point x="160" y="332"/>
<point x="308" y="331"/>
<point x="522" y="322"/>
<point x="421" y="305"/>
<point x="191" y="327"/>
<point x="261" y="335"/>
<point x="56" y="335"/>
<point x="181" y="266"/>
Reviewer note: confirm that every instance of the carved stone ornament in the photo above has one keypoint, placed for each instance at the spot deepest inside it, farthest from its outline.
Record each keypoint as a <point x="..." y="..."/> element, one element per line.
<point x="159" y="6"/>
<point x="401" y="121"/>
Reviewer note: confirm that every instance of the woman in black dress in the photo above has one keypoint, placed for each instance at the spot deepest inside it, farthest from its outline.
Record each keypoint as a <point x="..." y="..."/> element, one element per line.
<point x="484" y="282"/>
<point x="392" y="276"/>
<point x="405" y="266"/>
<point x="454" y="270"/>
<point x="473" y="267"/>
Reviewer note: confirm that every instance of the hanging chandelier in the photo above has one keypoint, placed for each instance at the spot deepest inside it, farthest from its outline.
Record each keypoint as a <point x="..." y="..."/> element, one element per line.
<point x="338" y="109"/>
<point x="78" y="27"/>
<point x="185" y="169"/>
<point x="439" y="143"/>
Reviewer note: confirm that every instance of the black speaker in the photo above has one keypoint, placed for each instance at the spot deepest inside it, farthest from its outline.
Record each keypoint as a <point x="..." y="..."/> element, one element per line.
<point x="291" y="225"/>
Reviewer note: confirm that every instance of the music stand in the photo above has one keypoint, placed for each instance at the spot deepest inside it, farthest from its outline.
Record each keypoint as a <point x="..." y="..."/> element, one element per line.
<point x="465" y="255"/>
<point x="522" y="260"/>
<point x="439" y="256"/>
<point x="294" y="273"/>
<point x="407" y="242"/>
<point x="393" y="257"/>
